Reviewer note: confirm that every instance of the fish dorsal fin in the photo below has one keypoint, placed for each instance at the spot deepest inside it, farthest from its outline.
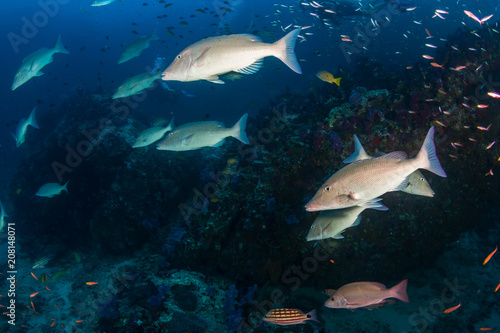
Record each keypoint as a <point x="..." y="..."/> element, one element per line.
<point x="253" y="38"/>
<point x="379" y="285"/>
<point x="252" y="69"/>
<point x="214" y="79"/>
<point x="403" y="185"/>
<point x="398" y="155"/>
<point x="359" y="152"/>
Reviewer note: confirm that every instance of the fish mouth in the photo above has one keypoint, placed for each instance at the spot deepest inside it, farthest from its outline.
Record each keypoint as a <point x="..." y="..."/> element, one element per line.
<point x="311" y="207"/>
<point x="166" y="76"/>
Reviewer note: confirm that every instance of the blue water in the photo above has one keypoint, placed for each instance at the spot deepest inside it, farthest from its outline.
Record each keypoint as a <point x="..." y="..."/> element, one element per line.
<point x="96" y="36"/>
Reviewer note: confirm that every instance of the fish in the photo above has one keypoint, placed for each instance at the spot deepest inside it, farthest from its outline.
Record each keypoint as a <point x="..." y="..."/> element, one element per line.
<point x="33" y="64"/>
<point x="136" y="84"/>
<point x="152" y="134"/>
<point x="135" y="48"/>
<point x="197" y="135"/>
<point x="91" y="283"/>
<point x="41" y="262"/>
<point x="417" y="183"/>
<point x="99" y="3"/>
<point x="3" y="215"/>
<point x="362" y="294"/>
<point x="214" y="56"/>
<point x="453" y="308"/>
<point x="365" y="180"/>
<point x="331" y="223"/>
<point x="328" y="77"/>
<point x="50" y="189"/>
<point x="22" y="128"/>
<point x="489" y="256"/>
<point x="289" y="317"/>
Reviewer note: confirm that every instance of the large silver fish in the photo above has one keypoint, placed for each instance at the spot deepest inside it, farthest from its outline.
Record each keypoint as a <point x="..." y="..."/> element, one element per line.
<point x="363" y="294"/>
<point x="136" y="84"/>
<point x="211" y="57"/>
<point x="135" y="48"/>
<point x="331" y="223"/>
<point x="33" y="63"/>
<point x="193" y="136"/>
<point x="152" y="134"/>
<point x="365" y="180"/>
<point x="22" y="128"/>
<point x="417" y="183"/>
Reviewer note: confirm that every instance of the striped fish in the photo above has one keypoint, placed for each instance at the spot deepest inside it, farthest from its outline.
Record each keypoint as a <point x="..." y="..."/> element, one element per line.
<point x="40" y="263"/>
<point x="289" y="317"/>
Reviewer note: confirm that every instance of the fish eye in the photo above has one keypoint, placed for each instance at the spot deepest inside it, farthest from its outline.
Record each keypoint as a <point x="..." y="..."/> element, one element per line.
<point x="333" y="298"/>
<point x="170" y="134"/>
<point x="328" y="188"/>
<point x="422" y="179"/>
<point x="179" y="56"/>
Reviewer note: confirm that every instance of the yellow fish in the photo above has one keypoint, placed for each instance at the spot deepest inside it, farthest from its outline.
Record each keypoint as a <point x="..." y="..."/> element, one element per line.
<point x="328" y="77"/>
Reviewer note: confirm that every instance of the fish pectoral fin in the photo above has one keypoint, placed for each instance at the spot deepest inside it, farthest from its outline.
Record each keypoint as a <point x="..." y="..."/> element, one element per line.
<point x="199" y="62"/>
<point x="40" y="73"/>
<point x="214" y="79"/>
<point x="353" y="195"/>
<point x="252" y="69"/>
<point x="403" y="185"/>
<point x="187" y="140"/>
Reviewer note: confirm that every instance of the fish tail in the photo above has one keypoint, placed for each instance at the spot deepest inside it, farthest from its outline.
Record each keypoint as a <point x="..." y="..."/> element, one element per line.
<point x="337" y="81"/>
<point x="32" y="119"/>
<point x="359" y="152"/>
<point x="285" y="52"/>
<point x="313" y="316"/>
<point x="427" y="156"/>
<point x="239" y="129"/>
<point x="399" y="291"/>
<point x="59" y="48"/>
<point x="65" y="187"/>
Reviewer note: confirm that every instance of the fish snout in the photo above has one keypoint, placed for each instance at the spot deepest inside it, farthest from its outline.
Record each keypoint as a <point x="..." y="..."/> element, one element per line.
<point x="312" y="207"/>
<point x="166" y="76"/>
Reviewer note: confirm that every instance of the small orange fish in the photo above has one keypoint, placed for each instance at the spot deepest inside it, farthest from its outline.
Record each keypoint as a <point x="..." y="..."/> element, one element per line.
<point x="47" y="288"/>
<point x="452" y="308"/>
<point x="33" y="306"/>
<point x="440" y="123"/>
<point x="428" y="32"/>
<point x="3" y="306"/>
<point x="485" y="329"/>
<point x="490" y="255"/>
<point x="490" y="145"/>
<point x="435" y="64"/>
<point x="494" y="94"/>
<point x="498" y="287"/>
<point x="78" y="321"/>
<point x="484" y="128"/>
<point x="482" y="106"/>
<point x="53" y="323"/>
<point x="91" y="283"/>
<point x="34" y="276"/>
<point x="425" y="56"/>
<point x="33" y="295"/>
<point x="288" y="316"/>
